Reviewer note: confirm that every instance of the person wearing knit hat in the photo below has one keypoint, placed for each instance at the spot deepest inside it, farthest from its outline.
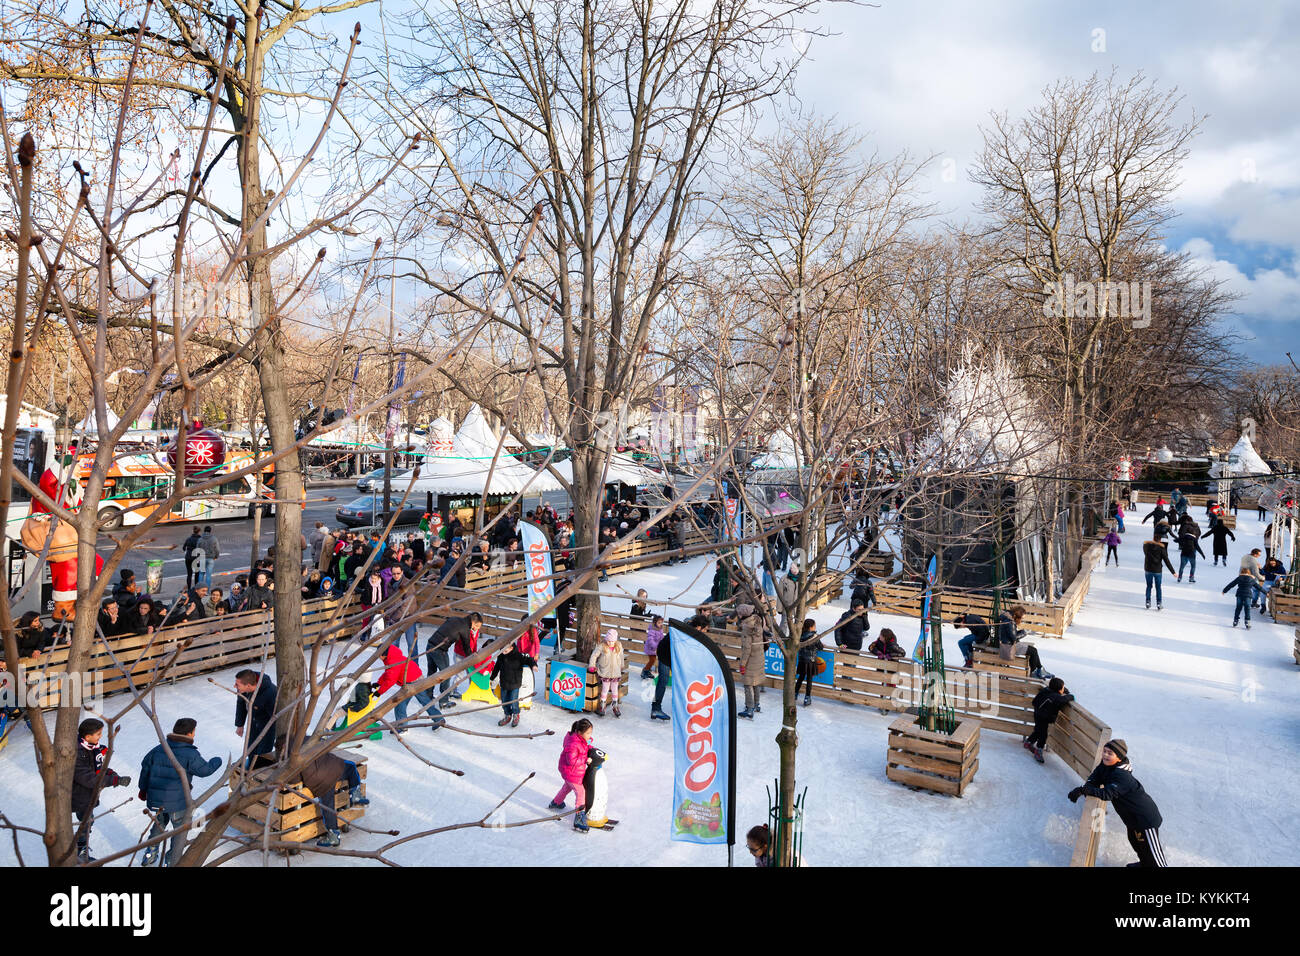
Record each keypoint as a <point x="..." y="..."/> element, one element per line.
<point x="1113" y="780"/>
<point x="607" y="662"/>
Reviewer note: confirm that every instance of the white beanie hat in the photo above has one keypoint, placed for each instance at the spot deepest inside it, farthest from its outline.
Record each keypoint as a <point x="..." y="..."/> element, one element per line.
<point x="611" y="635"/>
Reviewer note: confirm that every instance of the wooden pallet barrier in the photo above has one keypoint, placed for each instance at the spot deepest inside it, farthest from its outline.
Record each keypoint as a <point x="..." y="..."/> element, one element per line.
<point x="294" y="816"/>
<point x="933" y="761"/>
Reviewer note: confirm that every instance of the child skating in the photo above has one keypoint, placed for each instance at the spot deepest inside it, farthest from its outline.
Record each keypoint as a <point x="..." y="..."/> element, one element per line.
<point x="1112" y="540"/>
<point x="573" y="766"/>
<point x="1245" y="585"/>
<point x="607" y="662"/>
<point x="654" y="633"/>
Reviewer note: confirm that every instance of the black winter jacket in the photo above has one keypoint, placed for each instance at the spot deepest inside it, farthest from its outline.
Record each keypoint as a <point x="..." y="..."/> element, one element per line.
<point x="850" y="632"/>
<point x="1048" y="703"/>
<point x="1221" y="533"/>
<point x="263" y="714"/>
<point x="1153" y="554"/>
<point x="1118" y="785"/>
<point x="510" y="667"/>
<point x="978" y="627"/>
<point x="86" y="775"/>
<point x="1245" y="586"/>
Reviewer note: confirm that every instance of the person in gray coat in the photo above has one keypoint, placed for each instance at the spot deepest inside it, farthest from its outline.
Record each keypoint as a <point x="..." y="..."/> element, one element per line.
<point x="212" y="551"/>
<point x="165" y="793"/>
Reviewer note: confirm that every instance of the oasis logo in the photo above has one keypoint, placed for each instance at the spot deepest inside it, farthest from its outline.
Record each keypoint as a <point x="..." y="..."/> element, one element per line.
<point x="75" y="909"/>
<point x="568" y="686"/>
<point x="701" y="696"/>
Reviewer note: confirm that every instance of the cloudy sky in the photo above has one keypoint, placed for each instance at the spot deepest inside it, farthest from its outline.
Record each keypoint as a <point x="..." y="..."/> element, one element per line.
<point x="923" y="75"/>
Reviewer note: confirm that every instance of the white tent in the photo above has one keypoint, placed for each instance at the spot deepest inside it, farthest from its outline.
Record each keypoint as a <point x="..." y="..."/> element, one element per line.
<point x="621" y="469"/>
<point x="1245" y="460"/>
<point x="470" y="469"/>
<point x="351" y="435"/>
<point x="87" y="425"/>
<point x="440" y="439"/>
<point x="31" y="416"/>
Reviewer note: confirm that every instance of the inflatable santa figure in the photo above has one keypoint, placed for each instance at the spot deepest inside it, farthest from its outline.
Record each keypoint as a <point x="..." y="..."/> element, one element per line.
<point x="62" y="558"/>
<point x="58" y="482"/>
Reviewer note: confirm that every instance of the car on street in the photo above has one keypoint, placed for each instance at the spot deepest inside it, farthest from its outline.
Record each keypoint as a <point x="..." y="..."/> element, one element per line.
<point x="361" y="511"/>
<point x="363" y="483"/>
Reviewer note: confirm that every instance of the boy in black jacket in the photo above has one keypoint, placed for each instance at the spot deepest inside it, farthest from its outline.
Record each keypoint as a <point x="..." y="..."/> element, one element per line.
<point x="510" y="667"/>
<point x="1047" y="704"/>
<point x="1113" y="780"/>
<point x="1245" y="585"/>
<point x="89" y="776"/>
<point x="255" y="696"/>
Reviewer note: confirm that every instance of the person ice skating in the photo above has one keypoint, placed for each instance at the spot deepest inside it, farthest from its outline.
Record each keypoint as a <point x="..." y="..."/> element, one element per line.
<point x="979" y="634"/>
<point x="1250" y="565"/>
<point x="1220" y="533"/>
<point x="654" y="633"/>
<point x="1245" y="585"/>
<point x="455" y="631"/>
<point x="1112" y="541"/>
<point x="751" y="657"/>
<point x="400" y="670"/>
<point x="90" y="774"/>
<point x="1158" y="513"/>
<point x="639" y="604"/>
<point x="607" y="661"/>
<point x="255" y="707"/>
<point x="509" y="668"/>
<point x="166" y="794"/>
<point x="322" y="777"/>
<point x="886" y="646"/>
<point x="1179" y="502"/>
<point x="851" y="627"/>
<point x="1117" y="509"/>
<point x="759" y="843"/>
<point x="1113" y="780"/>
<point x="664" y="655"/>
<point x="1272" y="571"/>
<point x="809" y="654"/>
<point x="1154" y="556"/>
<point x="573" y="767"/>
<point x="1047" y="704"/>
<point x="1189" y="546"/>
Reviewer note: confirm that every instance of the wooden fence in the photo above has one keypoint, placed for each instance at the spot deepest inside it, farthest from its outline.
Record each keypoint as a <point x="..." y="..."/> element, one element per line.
<point x="211" y="644"/>
<point x="1049" y="619"/>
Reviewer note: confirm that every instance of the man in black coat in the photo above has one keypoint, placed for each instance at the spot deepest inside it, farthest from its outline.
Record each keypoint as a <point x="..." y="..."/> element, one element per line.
<point x="255" y="705"/>
<point x="1220" y="533"/>
<point x="979" y="634"/>
<point x="188" y="548"/>
<point x="1153" y="556"/>
<point x="1113" y="780"/>
<point x="851" y="626"/>
<point x="1189" y="546"/>
<point x="454" y="630"/>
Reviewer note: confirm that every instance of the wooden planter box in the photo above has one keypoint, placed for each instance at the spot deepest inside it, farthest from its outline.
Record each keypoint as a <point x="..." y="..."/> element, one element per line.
<point x="933" y="761"/>
<point x="294" y="817"/>
<point x="879" y="564"/>
<point x="1286" y="607"/>
<point x="830" y="584"/>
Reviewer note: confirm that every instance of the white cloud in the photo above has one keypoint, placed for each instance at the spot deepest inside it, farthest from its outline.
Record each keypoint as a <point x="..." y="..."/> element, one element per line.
<point x="1271" y="293"/>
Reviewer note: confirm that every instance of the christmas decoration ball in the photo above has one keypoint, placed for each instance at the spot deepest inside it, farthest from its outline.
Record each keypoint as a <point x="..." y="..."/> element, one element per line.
<point x="205" y="450"/>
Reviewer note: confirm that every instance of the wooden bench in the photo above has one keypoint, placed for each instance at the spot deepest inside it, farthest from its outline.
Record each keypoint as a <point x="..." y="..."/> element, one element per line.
<point x="293" y="814"/>
<point x="990" y="660"/>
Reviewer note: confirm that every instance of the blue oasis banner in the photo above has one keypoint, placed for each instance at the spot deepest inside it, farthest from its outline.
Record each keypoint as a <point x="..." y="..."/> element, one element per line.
<point x="931" y="572"/>
<point x="704" y="740"/>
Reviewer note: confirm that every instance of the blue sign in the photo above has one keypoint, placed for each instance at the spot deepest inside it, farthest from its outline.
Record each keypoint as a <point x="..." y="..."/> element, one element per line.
<point x="567" y="686"/>
<point x="774" y="664"/>
<point x="931" y="573"/>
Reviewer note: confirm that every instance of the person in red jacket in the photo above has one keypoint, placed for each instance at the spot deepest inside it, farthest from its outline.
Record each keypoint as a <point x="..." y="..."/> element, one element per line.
<point x="573" y="767"/>
<point x="400" y="670"/>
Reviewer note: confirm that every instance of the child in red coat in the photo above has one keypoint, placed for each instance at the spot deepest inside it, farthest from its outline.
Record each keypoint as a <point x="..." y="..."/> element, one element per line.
<point x="400" y="670"/>
<point x="573" y="767"/>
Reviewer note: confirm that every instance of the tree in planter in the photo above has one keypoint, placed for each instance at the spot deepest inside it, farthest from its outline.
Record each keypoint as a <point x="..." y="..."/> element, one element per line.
<point x="814" y="236"/>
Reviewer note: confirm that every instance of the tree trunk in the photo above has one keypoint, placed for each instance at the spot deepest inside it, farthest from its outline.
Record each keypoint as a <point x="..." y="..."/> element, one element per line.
<point x="586" y="537"/>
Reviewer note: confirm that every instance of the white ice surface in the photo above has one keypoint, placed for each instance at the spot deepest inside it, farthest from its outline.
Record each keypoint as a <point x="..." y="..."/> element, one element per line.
<point x="1209" y="714"/>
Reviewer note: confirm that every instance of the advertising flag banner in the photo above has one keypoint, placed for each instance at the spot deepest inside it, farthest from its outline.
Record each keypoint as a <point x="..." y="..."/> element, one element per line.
<point x="394" y="407"/>
<point x="537" y="565"/>
<point x="732" y="523"/>
<point x="704" y="740"/>
<point x="930" y="573"/>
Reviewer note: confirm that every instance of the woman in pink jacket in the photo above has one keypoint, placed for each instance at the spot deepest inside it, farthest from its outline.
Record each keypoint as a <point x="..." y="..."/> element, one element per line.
<point x="573" y="767"/>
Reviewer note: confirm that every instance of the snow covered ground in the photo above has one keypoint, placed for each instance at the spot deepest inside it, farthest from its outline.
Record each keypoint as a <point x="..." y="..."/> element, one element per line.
<point x="1209" y="714"/>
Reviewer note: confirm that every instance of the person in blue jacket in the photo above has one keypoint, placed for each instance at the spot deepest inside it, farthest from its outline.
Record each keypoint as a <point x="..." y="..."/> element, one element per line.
<point x="165" y="793"/>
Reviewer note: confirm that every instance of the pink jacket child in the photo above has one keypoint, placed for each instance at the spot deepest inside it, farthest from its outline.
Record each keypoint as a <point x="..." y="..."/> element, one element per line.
<point x="573" y="767"/>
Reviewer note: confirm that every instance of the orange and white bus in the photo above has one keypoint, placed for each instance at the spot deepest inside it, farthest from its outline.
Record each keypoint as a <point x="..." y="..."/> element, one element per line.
<point x="137" y="484"/>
